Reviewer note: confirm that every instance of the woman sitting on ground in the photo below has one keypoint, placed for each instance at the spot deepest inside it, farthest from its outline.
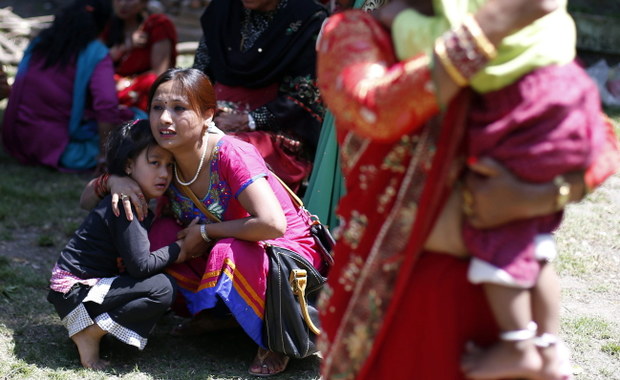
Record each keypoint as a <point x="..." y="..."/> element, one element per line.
<point x="142" y="46"/>
<point x="63" y="102"/>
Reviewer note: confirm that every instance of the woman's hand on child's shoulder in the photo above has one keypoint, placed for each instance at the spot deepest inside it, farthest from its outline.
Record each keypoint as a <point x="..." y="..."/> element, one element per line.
<point x="128" y="192"/>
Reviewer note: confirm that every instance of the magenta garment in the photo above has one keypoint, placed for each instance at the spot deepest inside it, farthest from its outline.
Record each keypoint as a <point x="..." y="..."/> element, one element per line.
<point x="36" y="128"/>
<point x="234" y="271"/>
<point x="548" y="123"/>
<point x="235" y="165"/>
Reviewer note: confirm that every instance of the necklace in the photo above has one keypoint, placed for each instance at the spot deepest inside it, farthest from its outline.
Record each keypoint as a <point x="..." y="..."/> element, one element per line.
<point x="202" y="160"/>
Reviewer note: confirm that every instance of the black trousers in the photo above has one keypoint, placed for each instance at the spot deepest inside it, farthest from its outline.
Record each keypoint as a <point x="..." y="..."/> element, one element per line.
<point x="135" y="304"/>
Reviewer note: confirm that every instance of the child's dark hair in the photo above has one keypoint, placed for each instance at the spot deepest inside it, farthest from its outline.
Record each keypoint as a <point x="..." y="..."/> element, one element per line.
<point x="126" y="143"/>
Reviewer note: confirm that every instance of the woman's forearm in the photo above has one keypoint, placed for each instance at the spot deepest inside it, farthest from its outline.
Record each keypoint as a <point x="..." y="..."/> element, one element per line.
<point x="249" y="229"/>
<point x="89" y="198"/>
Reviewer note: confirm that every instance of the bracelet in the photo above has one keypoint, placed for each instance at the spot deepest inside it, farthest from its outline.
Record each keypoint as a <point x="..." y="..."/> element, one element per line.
<point x="481" y="40"/>
<point x="520" y="335"/>
<point x="465" y="50"/>
<point x="251" y="122"/>
<point x="101" y="185"/>
<point x="441" y="53"/>
<point x="203" y="233"/>
<point x="546" y="340"/>
<point x="563" y="195"/>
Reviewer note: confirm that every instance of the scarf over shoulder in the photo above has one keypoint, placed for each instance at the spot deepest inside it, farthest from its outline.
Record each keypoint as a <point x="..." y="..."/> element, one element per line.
<point x="291" y="32"/>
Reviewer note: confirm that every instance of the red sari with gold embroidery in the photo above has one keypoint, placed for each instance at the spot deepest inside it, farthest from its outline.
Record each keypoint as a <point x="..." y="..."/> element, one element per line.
<point x="391" y="310"/>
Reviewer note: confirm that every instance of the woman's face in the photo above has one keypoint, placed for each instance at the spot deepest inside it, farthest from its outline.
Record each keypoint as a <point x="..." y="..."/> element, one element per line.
<point x="260" y="5"/>
<point x="128" y="9"/>
<point x="174" y="123"/>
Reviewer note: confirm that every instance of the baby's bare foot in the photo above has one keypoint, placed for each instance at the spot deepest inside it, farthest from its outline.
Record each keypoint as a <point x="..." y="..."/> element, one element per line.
<point x="555" y="361"/>
<point x="503" y="360"/>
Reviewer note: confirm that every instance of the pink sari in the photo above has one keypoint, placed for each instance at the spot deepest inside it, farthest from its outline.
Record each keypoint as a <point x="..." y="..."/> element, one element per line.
<point x="234" y="272"/>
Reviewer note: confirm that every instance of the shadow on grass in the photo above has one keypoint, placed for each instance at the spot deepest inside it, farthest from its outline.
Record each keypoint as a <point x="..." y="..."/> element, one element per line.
<point x="41" y="340"/>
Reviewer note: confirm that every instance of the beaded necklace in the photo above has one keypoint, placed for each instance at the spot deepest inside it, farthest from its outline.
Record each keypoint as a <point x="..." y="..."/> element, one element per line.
<point x="202" y="160"/>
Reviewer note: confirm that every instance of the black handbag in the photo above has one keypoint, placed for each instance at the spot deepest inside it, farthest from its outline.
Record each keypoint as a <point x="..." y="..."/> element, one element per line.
<point x="324" y="241"/>
<point x="291" y="317"/>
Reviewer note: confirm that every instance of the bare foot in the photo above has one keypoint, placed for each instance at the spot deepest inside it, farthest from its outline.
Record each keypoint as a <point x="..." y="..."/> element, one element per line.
<point x="268" y="363"/>
<point x="503" y="360"/>
<point x="556" y="362"/>
<point x="87" y="342"/>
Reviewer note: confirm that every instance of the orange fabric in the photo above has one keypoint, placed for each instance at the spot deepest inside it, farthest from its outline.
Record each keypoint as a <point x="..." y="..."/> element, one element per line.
<point x="373" y="78"/>
<point x="607" y="161"/>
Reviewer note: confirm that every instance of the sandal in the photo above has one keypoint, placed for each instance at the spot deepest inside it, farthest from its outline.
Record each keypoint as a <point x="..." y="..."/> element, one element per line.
<point x="265" y="359"/>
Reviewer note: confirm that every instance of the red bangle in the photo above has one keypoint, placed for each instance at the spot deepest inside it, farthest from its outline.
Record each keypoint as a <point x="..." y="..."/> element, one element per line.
<point x="101" y="185"/>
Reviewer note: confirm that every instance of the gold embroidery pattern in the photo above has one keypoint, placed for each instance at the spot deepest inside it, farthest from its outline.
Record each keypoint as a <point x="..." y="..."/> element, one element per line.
<point x="381" y="267"/>
<point x="354" y="230"/>
<point x="395" y="159"/>
<point x="367" y="172"/>
<point x="351" y="150"/>
<point x="351" y="273"/>
<point x="387" y="196"/>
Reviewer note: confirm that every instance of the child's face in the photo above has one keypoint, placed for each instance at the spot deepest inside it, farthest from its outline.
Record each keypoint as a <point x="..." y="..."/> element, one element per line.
<point x="152" y="170"/>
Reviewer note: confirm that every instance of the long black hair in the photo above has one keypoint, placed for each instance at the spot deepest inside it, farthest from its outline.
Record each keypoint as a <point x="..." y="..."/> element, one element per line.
<point x="126" y="143"/>
<point x="74" y="27"/>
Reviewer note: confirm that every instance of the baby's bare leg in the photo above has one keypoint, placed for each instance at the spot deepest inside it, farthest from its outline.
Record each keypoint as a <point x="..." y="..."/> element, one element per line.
<point x="546" y="300"/>
<point x="546" y="311"/>
<point x="515" y="356"/>
<point x="87" y="342"/>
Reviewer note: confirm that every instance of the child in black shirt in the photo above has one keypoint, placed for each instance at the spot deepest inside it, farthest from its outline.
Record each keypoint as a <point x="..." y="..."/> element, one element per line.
<point x="106" y="280"/>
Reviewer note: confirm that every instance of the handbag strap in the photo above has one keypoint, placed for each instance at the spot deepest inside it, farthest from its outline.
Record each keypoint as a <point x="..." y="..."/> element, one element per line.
<point x="290" y="192"/>
<point x="198" y="203"/>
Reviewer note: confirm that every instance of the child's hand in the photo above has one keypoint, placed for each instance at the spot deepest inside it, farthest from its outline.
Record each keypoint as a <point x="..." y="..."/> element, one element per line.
<point x="182" y="233"/>
<point x="139" y="38"/>
<point x="193" y="243"/>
